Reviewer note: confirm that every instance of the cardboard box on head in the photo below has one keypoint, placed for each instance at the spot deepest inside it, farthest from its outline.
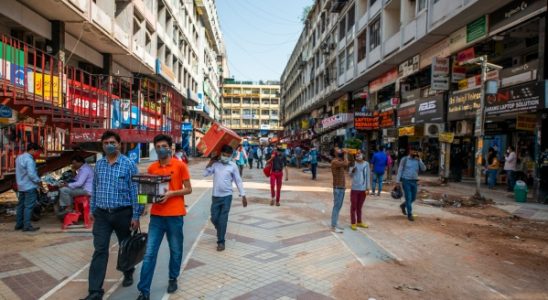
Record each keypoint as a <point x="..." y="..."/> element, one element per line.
<point x="215" y="138"/>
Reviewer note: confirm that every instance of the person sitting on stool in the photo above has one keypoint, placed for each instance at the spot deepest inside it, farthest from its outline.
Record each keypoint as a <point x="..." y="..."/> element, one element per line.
<point x="82" y="185"/>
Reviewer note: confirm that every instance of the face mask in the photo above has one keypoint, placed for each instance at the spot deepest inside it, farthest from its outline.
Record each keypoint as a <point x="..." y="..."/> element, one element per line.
<point x="110" y="149"/>
<point x="225" y="160"/>
<point x="163" y="153"/>
<point x="359" y="157"/>
<point x="340" y="155"/>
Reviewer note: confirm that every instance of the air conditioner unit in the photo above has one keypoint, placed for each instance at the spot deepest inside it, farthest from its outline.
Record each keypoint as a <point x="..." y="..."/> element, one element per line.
<point x="433" y="129"/>
<point x="463" y="128"/>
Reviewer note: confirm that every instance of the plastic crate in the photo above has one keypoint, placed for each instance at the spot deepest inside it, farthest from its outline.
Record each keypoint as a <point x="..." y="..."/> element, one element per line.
<point x="151" y="188"/>
<point x="215" y="138"/>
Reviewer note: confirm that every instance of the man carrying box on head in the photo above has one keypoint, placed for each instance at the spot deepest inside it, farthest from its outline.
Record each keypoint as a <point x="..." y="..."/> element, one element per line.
<point x="224" y="172"/>
<point x="166" y="216"/>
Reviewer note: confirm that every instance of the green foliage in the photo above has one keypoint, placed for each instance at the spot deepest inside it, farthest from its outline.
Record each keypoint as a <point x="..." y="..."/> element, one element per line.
<point x="353" y="143"/>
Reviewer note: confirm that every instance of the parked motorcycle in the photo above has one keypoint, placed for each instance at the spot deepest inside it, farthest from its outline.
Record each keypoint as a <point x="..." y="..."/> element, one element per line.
<point x="48" y="195"/>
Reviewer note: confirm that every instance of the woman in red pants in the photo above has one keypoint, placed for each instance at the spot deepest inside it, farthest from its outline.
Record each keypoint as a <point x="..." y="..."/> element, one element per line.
<point x="279" y="163"/>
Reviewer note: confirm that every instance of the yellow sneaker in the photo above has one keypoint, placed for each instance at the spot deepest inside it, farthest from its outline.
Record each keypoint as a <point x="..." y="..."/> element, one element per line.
<point x="363" y="225"/>
<point x="353" y="226"/>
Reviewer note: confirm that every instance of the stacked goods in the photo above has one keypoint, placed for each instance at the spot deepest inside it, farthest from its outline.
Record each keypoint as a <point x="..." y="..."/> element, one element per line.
<point x="151" y="188"/>
<point x="215" y="138"/>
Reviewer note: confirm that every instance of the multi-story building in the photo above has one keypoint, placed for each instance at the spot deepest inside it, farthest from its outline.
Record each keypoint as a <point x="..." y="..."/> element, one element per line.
<point x="397" y="73"/>
<point x="252" y="109"/>
<point x="178" y="43"/>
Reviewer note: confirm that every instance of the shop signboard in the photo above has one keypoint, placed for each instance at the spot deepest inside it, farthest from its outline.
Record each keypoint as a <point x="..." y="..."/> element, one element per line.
<point x="458" y="73"/>
<point x="430" y="110"/>
<point x="383" y="80"/>
<point x="526" y="122"/>
<point x="446" y="137"/>
<point x="466" y="54"/>
<point x="186" y="126"/>
<point x="387" y="119"/>
<point x="440" y="74"/>
<point x="441" y="49"/>
<point x="457" y="40"/>
<point x="335" y="120"/>
<point x="164" y="71"/>
<point x="406" y="131"/>
<point x="409" y="66"/>
<point x="528" y="97"/>
<point x="463" y="105"/>
<point x="128" y="119"/>
<point x="519" y="74"/>
<point x="476" y="30"/>
<point x="512" y="12"/>
<point x="12" y="62"/>
<point x="366" y="120"/>
<point x="406" y="113"/>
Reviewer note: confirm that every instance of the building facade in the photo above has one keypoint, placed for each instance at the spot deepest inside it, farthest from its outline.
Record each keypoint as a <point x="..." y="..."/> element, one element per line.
<point x="252" y="109"/>
<point x="397" y="73"/>
<point x="174" y="42"/>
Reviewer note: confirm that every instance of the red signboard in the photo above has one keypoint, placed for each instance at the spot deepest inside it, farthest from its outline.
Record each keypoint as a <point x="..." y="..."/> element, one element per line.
<point x="386" y="119"/>
<point x="383" y="80"/>
<point x="366" y="120"/>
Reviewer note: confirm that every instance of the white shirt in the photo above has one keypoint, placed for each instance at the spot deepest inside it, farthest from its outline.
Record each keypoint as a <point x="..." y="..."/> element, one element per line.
<point x="510" y="162"/>
<point x="223" y="176"/>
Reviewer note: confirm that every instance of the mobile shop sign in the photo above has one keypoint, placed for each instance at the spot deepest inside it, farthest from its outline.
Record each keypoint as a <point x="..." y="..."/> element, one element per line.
<point x="463" y="106"/>
<point x="366" y="120"/>
<point x="527" y="97"/>
<point x="429" y="110"/>
<point x="440" y="74"/>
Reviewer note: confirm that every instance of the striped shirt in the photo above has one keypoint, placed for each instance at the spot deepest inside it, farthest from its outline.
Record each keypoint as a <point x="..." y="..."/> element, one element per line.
<point x="113" y="187"/>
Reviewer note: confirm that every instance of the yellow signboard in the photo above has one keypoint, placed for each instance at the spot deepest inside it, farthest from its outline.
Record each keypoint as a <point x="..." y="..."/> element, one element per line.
<point x="526" y="122"/>
<point x="406" y="131"/>
<point x="447" y="137"/>
<point x="42" y="85"/>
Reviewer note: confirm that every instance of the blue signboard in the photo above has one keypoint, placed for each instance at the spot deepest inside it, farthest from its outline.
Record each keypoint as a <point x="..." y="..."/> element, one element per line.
<point x="186" y="126"/>
<point x="135" y="113"/>
<point x="116" y="114"/>
<point x="5" y="112"/>
<point x="135" y="153"/>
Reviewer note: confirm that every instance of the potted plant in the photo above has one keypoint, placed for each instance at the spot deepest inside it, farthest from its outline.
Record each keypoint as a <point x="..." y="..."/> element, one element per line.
<point x="352" y="146"/>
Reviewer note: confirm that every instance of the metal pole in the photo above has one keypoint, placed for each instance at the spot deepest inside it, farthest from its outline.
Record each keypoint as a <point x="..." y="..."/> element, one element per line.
<point x="480" y="124"/>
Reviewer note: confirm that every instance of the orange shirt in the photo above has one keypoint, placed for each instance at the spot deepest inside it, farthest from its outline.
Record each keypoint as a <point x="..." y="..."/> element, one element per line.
<point x="174" y="206"/>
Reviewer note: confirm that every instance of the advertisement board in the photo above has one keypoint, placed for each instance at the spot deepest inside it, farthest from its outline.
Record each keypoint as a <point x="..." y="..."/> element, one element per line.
<point x="366" y="120"/>
<point x="463" y="105"/>
<point x="440" y="74"/>
<point x="523" y="98"/>
<point x="430" y="110"/>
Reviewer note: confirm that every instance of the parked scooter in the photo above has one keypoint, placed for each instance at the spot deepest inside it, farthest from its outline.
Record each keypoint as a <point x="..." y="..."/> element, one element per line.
<point x="48" y="195"/>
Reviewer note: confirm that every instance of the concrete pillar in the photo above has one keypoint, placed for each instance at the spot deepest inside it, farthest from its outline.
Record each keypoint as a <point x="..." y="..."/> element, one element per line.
<point x="107" y="63"/>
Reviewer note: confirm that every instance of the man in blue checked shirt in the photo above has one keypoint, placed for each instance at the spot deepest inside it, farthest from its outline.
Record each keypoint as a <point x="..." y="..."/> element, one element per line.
<point x="114" y="207"/>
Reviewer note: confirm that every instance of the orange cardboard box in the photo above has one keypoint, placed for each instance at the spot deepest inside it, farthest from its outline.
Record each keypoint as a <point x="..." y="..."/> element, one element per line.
<point x="216" y="137"/>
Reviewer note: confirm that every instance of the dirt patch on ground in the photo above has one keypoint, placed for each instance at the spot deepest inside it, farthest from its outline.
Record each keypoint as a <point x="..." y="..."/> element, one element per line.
<point x="439" y="199"/>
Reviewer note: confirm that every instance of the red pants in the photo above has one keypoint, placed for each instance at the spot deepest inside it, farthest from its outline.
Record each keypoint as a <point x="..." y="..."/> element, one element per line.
<point x="357" y="199"/>
<point x="276" y="179"/>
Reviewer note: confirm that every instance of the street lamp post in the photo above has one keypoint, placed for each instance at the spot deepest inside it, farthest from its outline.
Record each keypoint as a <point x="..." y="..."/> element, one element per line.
<point x="480" y="115"/>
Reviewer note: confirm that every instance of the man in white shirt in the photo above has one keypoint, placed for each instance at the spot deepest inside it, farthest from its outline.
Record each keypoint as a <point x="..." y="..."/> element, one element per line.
<point x="224" y="172"/>
<point x="510" y="161"/>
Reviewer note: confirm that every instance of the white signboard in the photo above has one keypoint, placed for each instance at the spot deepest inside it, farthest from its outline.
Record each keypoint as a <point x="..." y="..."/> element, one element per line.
<point x="440" y="74"/>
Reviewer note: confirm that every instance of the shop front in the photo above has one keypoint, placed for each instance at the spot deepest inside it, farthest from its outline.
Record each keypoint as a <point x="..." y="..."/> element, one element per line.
<point x="429" y="113"/>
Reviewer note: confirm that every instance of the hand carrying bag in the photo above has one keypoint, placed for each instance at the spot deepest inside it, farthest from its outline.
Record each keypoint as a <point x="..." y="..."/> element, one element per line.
<point x="132" y="250"/>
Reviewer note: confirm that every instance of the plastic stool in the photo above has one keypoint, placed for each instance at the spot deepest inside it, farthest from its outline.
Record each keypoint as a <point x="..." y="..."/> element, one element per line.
<point x="71" y="218"/>
<point x="81" y="208"/>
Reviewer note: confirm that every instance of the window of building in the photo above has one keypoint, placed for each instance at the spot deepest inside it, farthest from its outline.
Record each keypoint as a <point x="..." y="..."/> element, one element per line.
<point x="227" y="100"/>
<point x="342" y="57"/>
<point x="247" y="112"/>
<point x="236" y="100"/>
<point x="342" y="28"/>
<point x="247" y="122"/>
<point x="371" y="2"/>
<point x="350" y="57"/>
<point x="351" y="17"/>
<point x="247" y="101"/>
<point x="421" y="5"/>
<point x="266" y="102"/>
<point x="226" y="112"/>
<point x="362" y="45"/>
<point x="247" y="91"/>
<point x="255" y="101"/>
<point x="235" y="112"/>
<point x="264" y="112"/>
<point x="375" y="34"/>
<point x="274" y="113"/>
<point x="275" y="101"/>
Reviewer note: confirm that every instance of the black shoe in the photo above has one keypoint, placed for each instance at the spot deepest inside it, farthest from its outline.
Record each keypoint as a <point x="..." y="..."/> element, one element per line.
<point x="31" y="229"/>
<point x="411" y="218"/>
<point x="128" y="280"/>
<point x="93" y="296"/>
<point x="221" y="247"/>
<point x="143" y="297"/>
<point x="402" y="206"/>
<point x="172" y="286"/>
<point x="18" y="228"/>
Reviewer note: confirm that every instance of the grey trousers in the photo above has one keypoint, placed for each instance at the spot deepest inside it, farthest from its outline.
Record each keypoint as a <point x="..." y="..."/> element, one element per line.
<point x="66" y="194"/>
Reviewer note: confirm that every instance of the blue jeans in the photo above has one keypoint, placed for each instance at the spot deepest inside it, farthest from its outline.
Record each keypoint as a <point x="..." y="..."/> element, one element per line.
<point x="220" y="207"/>
<point x="410" y="193"/>
<point x="511" y="179"/>
<point x="26" y="203"/>
<point x="338" y="198"/>
<point x="172" y="227"/>
<point x="377" y="178"/>
<point x="491" y="178"/>
<point x="314" y="170"/>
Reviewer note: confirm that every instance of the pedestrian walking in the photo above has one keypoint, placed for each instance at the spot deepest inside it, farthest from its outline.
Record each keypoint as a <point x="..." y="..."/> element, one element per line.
<point x="313" y="159"/>
<point x="298" y="156"/>
<point x="114" y="207"/>
<point x="240" y="156"/>
<point x="260" y="157"/>
<point x="339" y="167"/>
<point x="28" y="181"/>
<point x="492" y="168"/>
<point x="225" y="172"/>
<point x="166" y="217"/>
<point x="361" y="183"/>
<point x="279" y="164"/>
<point x="268" y="152"/>
<point x="390" y="165"/>
<point x="251" y="156"/>
<point x="379" y="161"/>
<point x="408" y="175"/>
<point x="510" y="161"/>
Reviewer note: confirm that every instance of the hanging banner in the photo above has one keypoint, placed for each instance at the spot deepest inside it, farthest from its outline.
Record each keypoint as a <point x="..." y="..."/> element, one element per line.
<point x="440" y="74"/>
<point x="528" y="97"/>
<point x="366" y="121"/>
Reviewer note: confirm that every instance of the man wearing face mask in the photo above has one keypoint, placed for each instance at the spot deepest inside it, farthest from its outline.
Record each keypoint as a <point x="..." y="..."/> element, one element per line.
<point x="510" y="160"/>
<point x="114" y="207"/>
<point x="166" y="217"/>
<point x="225" y="172"/>
<point x="408" y="175"/>
<point x="27" y="184"/>
<point x="339" y="167"/>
